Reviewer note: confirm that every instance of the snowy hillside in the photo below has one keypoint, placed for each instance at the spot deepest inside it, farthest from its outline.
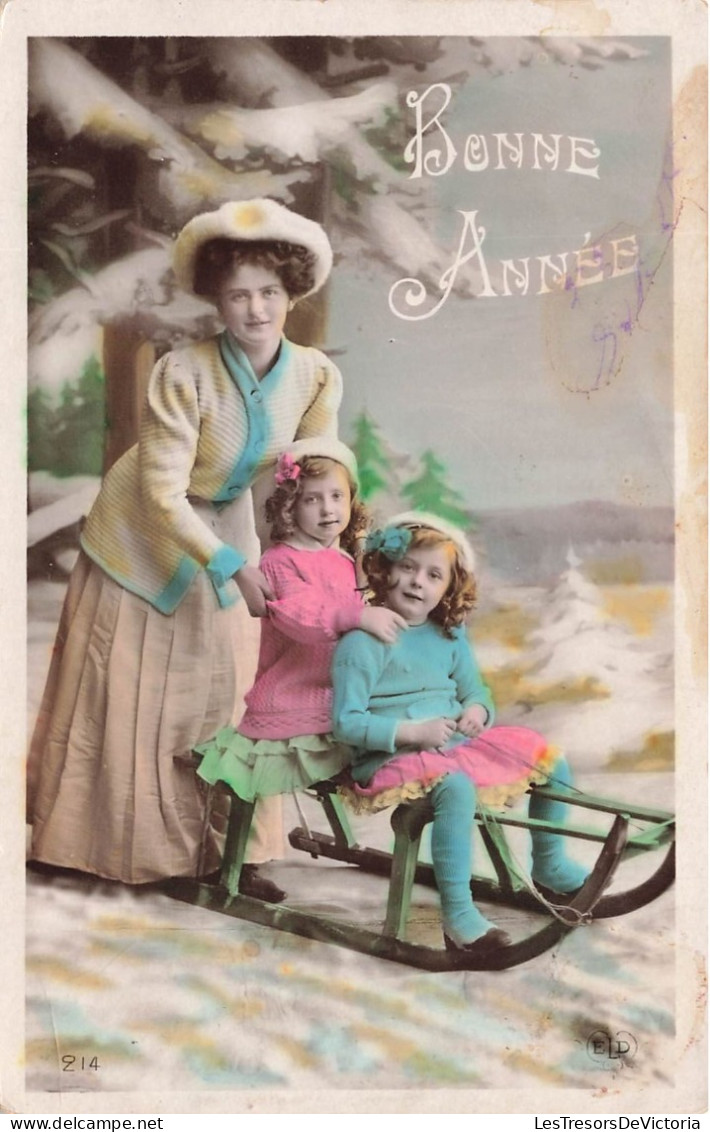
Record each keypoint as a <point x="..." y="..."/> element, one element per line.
<point x="590" y="667"/>
<point x="633" y="544"/>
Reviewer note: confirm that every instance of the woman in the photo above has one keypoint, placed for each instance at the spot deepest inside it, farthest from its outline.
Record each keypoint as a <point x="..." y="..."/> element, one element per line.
<point x="144" y="663"/>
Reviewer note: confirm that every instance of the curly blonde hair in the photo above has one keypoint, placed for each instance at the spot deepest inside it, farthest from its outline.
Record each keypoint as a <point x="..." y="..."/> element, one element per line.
<point x="280" y="504"/>
<point x="460" y="596"/>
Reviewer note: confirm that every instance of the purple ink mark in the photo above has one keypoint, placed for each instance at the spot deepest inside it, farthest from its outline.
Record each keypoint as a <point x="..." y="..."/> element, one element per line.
<point x="601" y="334"/>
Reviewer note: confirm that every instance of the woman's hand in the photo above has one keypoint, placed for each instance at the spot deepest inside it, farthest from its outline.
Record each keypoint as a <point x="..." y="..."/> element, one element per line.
<point x="473" y="721"/>
<point x="382" y="623"/>
<point x="255" y="589"/>
<point x="425" y="734"/>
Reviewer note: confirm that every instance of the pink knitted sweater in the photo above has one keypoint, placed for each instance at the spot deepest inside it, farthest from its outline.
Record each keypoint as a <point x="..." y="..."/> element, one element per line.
<point x="316" y="601"/>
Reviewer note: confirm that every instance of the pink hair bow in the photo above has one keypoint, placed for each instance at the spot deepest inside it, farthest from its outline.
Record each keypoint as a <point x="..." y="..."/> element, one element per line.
<point x="287" y="468"/>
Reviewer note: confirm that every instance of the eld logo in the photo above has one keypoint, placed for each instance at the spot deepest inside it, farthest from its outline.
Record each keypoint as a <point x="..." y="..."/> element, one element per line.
<point x="612" y="1050"/>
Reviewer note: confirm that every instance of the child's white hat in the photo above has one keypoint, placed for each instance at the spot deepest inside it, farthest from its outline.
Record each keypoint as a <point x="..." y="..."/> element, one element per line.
<point x="414" y="520"/>
<point x="258" y="219"/>
<point x="327" y="446"/>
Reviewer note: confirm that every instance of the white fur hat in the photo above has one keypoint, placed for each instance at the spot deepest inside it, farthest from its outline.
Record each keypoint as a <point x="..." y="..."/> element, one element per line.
<point x="417" y="519"/>
<point x="258" y="219"/>
<point x="327" y="446"/>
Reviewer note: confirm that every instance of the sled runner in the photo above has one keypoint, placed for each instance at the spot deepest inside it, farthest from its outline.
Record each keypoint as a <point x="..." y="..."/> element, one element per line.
<point x="634" y="830"/>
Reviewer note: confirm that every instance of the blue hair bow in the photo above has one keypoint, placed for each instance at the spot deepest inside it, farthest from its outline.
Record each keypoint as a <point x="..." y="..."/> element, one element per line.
<point x="391" y="541"/>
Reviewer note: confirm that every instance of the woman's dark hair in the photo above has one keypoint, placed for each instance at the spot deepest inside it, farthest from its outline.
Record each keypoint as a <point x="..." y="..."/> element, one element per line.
<point x="460" y="596"/>
<point x="216" y="259"/>
<point x="280" y="504"/>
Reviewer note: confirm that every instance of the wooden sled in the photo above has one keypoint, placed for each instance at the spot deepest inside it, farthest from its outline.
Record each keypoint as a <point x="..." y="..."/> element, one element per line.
<point x="634" y="830"/>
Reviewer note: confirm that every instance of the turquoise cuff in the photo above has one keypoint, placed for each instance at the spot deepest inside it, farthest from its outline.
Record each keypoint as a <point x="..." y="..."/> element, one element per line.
<point x="222" y="565"/>
<point x="381" y="734"/>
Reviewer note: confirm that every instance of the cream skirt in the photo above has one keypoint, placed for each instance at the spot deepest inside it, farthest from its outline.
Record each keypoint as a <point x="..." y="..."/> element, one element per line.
<point x="128" y="689"/>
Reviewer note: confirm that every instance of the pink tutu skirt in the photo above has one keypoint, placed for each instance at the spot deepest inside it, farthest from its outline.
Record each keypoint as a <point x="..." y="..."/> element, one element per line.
<point x="502" y="762"/>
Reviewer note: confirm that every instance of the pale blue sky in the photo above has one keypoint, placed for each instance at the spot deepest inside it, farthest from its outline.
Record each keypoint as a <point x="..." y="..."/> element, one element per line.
<point x="515" y="393"/>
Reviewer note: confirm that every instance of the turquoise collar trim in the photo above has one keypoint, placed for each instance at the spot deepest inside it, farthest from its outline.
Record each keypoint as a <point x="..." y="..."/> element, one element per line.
<point x="272" y="377"/>
<point x="253" y="393"/>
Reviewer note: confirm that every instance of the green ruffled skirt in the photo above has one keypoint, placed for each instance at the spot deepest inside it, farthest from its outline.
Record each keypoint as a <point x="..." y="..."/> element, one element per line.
<point x="260" y="768"/>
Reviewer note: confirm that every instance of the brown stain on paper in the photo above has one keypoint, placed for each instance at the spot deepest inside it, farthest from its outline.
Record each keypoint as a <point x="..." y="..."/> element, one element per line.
<point x="690" y="235"/>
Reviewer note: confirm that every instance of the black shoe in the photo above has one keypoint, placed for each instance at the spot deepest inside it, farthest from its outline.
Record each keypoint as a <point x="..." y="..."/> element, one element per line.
<point x="260" y="888"/>
<point x="494" y="939"/>
<point x="212" y="878"/>
<point x="559" y="899"/>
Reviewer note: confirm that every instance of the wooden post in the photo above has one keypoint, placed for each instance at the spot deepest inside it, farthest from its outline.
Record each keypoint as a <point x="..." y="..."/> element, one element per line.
<point x="127" y="360"/>
<point x="307" y="323"/>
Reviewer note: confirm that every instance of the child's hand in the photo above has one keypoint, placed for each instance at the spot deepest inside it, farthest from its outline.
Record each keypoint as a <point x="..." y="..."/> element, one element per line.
<point x="472" y="721"/>
<point x="382" y="623"/>
<point x="426" y="734"/>
<point x="255" y="589"/>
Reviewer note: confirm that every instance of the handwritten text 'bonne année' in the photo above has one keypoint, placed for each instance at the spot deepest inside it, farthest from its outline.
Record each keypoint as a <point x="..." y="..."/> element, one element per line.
<point x="433" y="153"/>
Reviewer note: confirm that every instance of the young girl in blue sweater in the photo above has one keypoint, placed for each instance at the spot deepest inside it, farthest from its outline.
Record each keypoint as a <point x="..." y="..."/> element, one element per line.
<point x="419" y="719"/>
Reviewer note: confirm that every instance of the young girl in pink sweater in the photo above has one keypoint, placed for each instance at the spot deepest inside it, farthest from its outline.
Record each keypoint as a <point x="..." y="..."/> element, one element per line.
<point x="284" y="740"/>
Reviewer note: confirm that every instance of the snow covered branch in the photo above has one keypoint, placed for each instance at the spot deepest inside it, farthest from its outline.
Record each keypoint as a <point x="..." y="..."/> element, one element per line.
<point x="83" y="101"/>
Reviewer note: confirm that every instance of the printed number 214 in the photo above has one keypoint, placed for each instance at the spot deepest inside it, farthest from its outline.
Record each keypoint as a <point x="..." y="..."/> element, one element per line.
<point x="70" y="1063"/>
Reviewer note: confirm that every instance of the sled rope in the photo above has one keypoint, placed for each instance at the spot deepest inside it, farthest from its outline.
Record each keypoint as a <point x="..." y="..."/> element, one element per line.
<point x="518" y="870"/>
<point x="552" y="780"/>
<point x="301" y="815"/>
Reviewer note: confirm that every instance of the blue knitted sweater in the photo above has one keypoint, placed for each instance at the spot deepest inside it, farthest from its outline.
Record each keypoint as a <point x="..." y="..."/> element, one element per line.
<point x="424" y="675"/>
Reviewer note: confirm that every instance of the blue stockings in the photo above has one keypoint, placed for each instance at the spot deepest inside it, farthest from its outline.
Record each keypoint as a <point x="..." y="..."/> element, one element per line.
<point x="454" y="803"/>
<point x="550" y="864"/>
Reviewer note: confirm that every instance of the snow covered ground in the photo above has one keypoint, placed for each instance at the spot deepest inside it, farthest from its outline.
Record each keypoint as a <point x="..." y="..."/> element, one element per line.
<point x="171" y="997"/>
<point x="168" y="997"/>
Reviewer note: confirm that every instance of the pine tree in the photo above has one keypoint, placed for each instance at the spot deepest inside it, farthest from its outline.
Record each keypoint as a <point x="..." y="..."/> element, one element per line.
<point x="279" y="116"/>
<point x="577" y="640"/>
<point x="40" y="431"/>
<point x="573" y="605"/>
<point x="77" y="425"/>
<point x="129" y="137"/>
<point x="372" y="462"/>
<point x="431" y="492"/>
